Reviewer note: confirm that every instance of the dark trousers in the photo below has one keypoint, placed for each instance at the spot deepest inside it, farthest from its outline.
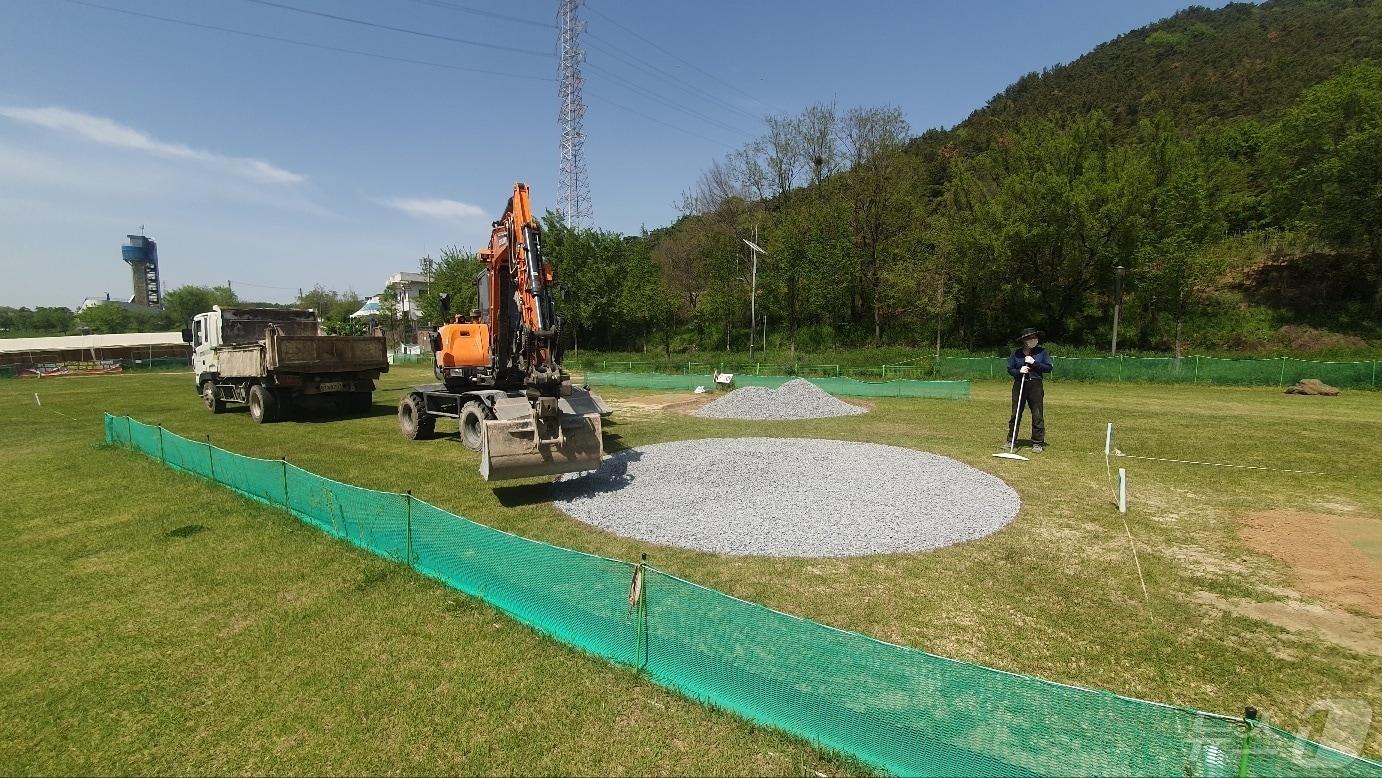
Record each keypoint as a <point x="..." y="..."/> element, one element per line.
<point x="1033" y="397"/>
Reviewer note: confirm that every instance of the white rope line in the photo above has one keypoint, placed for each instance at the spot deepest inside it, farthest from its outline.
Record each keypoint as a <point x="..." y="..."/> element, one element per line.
<point x="1221" y="464"/>
<point x="1146" y="598"/>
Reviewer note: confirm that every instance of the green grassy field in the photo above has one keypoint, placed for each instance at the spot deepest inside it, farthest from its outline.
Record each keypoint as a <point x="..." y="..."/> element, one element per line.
<point x="156" y="623"/>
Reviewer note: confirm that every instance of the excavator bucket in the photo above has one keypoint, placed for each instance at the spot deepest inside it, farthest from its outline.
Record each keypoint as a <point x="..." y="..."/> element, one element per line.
<point x="530" y="446"/>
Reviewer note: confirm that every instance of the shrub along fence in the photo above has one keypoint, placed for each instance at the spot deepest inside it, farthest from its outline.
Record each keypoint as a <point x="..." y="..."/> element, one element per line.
<point x="892" y="707"/>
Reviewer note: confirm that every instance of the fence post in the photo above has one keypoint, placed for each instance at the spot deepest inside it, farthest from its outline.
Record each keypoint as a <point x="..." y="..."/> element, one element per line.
<point x="129" y="431"/>
<point x="1249" y="720"/>
<point x="1374" y="375"/>
<point x="409" y="526"/>
<point x="1196" y="379"/>
<point x="161" y="457"/>
<point x="638" y="598"/>
<point x="210" y="460"/>
<point x="284" y="460"/>
<point x="1282" y="380"/>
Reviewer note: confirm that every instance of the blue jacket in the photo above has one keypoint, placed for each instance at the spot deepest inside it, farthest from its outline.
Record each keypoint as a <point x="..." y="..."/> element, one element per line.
<point x="1041" y="367"/>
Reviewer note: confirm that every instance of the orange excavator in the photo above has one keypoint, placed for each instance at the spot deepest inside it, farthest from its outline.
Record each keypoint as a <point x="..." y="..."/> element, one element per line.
<point x="500" y="368"/>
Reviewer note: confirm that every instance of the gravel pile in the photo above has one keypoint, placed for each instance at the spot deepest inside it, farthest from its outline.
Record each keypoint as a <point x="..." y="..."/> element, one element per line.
<point x="796" y="399"/>
<point x="789" y="497"/>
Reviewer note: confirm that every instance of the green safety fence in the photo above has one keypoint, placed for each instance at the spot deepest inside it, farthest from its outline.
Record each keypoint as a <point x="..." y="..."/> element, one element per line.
<point x="1278" y="371"/>
<point x="843" y="385"/>
<point x="895" y="708"/>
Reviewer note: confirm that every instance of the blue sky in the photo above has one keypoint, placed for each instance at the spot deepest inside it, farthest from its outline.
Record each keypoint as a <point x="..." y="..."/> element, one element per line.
<point x="278" y="166"/>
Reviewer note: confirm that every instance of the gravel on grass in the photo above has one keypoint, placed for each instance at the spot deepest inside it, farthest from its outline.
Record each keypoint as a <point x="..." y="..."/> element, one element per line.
<point x="792" y="497"/>
<point x="796" y="399"/>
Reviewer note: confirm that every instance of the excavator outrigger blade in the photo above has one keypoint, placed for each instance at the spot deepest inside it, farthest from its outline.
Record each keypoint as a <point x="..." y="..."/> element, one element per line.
<point x="532" y="446"/>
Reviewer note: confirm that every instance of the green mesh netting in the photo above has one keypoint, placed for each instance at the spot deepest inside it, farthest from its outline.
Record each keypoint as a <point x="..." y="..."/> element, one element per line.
<point x="1281" y="371"/>
<point x="896" y="708"/>
<point x="842" y="385"/>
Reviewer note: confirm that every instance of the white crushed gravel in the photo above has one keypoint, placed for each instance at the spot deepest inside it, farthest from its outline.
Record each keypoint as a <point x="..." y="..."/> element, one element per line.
<point x="796" y="399"/>
<point x="791" y="497"/>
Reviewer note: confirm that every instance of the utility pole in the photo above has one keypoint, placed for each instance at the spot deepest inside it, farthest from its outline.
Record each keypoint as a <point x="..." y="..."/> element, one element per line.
<point x="753" y="287"/>
<point x="1117" y="304"/>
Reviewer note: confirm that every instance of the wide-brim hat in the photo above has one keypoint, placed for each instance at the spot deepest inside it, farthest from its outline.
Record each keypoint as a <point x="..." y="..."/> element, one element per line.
<point x="1029" y="332"/>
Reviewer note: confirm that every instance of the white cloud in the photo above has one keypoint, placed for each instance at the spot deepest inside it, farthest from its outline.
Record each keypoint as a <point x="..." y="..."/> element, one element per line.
<point x="108" y="132"/>
<point x="436" y="208"/>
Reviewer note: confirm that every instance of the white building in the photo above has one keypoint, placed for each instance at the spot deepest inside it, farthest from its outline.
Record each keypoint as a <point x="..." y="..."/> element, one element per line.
<point x="411" y="287"/>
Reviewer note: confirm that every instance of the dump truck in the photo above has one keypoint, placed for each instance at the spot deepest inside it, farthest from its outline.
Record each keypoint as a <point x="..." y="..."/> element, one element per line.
<point x="272" y="358"/>
<point x="499" y="368"/>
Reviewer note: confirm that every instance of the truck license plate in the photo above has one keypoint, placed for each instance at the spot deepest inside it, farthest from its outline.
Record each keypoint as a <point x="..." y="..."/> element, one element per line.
<point x="330" y="386"/>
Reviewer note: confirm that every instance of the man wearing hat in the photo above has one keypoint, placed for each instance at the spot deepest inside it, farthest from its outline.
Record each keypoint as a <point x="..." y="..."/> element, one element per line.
<point x="1028" y="365"/>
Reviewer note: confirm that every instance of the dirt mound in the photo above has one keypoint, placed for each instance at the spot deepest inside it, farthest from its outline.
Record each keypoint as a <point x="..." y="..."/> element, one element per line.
<point x="1312" y="386"/>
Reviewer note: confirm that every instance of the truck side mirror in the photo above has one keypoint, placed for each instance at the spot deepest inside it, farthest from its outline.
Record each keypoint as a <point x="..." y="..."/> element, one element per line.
<point x="444" y="304"/>
<point x="187" y="335"/>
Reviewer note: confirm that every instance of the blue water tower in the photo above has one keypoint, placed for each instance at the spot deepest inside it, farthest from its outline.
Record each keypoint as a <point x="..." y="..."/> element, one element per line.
<point x="142" y="254"/>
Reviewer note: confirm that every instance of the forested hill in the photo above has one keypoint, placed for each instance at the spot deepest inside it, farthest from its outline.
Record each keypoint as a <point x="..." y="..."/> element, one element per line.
<point x="1240" y="61"/>
<point x="1224" y="164"/>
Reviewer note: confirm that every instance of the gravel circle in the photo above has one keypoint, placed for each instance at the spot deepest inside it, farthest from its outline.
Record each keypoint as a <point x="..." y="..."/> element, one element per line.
<point x="796" y="399"/>
<point x="789" y="497"/>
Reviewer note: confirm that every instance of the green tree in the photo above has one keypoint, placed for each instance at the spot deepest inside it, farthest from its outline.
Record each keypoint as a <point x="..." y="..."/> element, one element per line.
<point x="1325" y="157"/>
<point x="107" y="318"/>
<point x="185" y="302"/>
<point x="454" y="274"/>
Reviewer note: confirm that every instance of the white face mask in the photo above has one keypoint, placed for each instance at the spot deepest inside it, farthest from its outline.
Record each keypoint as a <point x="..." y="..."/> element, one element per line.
<point x="1030" y="342"/>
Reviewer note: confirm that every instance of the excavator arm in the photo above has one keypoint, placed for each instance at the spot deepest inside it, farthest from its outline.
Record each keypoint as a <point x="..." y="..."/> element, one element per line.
<point x="544" y="426"/>
<point x="523" y="323"/>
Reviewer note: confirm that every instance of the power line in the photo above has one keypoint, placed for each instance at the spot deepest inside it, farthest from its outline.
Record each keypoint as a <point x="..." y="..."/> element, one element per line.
<point x="404" y="30"/>
<point x="479" y="12"/>
<point x="657" y="72"/>
<point x="676" y="127"/>
<point x="664" y="101"/>
<point x="677" y="58"/>
<point x="323" y="47"/>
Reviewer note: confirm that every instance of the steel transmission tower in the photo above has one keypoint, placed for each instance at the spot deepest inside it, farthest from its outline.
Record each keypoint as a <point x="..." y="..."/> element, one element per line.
<point x="573" y="188"/>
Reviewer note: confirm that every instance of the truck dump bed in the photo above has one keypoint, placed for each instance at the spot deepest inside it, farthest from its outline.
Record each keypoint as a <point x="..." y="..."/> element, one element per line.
<point x="325" y="353"/>
<point x="263" y="340"/>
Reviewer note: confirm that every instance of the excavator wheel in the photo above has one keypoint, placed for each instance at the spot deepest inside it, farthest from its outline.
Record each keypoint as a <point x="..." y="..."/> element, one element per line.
<point x="473" y="425"/>
<point x="413" y="420"/>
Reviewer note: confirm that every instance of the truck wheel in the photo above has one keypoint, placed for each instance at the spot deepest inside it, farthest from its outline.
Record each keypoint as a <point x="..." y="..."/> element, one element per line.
<point x="472" y="424"/>
<point x="263" y="405"/>
<point x="359" y="402"/>
<point x="413" y="420"/>
<point x="213" y="401"/>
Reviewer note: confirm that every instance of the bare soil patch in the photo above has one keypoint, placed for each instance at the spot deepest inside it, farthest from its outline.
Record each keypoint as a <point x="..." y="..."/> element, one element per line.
<point x="1324" y="553"/>
<point x="648" y="405"/>
<point x="1338" y="627"/>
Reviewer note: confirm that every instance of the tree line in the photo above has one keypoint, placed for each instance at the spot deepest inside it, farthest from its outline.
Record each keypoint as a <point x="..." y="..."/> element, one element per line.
<point x="874" y="237"/>
<point x="179" y="306"/>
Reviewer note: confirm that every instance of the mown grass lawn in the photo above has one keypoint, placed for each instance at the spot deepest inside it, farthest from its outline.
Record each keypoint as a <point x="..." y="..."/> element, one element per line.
<point x="156" y="623"/>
